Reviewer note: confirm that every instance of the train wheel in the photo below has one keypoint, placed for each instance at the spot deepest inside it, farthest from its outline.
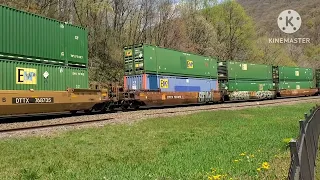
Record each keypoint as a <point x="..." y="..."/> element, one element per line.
<point x="135" y="107"/>
<point x="124" y="107"/>
<point x="73" y="112"/>
<point x="111" y="108"/>
<point x="88" y="111"/>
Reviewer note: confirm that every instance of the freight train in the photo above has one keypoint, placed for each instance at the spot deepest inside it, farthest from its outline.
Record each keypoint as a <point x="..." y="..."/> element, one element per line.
<point x="42" y="73"/>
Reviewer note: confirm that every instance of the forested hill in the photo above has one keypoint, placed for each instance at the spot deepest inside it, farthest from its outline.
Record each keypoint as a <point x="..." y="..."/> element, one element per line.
<point x="230" y="30"/>
<point x="265" y="14"/>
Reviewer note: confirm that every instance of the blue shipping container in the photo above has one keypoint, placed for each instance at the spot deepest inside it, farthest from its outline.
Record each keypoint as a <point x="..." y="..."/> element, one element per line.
<point x="169" y="83"/>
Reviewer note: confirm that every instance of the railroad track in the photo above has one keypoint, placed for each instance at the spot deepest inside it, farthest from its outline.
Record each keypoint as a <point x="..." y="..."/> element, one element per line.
<point x="252" y="104"/>
<point x="34" y="126"/>
<point x="52" y="125"/>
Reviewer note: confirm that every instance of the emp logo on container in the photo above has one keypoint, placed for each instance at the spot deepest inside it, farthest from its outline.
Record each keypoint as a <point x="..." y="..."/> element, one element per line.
<point x="128" y="53"/>
<point x="189" y="64"/>
<point x="164" y="83"/>
<point x="26" y="76"/>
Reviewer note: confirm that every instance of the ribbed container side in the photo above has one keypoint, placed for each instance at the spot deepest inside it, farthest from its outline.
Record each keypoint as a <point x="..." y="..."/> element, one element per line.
<point x="295" y="73"/>
<point x="30" y="37"/>
<point x="238" y="85"/>
<point x="296" y="85"/>
<point x="169" y="83"/>
<point x="77" y="78"/>
<point x="147" y="59"/>
<point x="240" y="70"/>
<point x="76" y="44"/>
<point x="19" y="75"/>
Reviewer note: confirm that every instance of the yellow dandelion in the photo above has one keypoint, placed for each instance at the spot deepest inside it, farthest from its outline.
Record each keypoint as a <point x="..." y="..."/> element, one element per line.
<point x="236" y="160"/>
<point x="242" y="154"/>
<point x="210" y="178"/>
<point x="265" y="165"/>
<point x="286" y="140"/>
<point x="252" y="155"/>
<point x="217" y="177"/>
<point x="230" y="178"/>
<point x="259" y="169"/>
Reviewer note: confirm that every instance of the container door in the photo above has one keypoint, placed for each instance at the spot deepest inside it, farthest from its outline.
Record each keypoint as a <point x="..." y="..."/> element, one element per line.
<point x="128" y="60"/>
<point x="138" y="57"/>
<point x="75" y="40"/>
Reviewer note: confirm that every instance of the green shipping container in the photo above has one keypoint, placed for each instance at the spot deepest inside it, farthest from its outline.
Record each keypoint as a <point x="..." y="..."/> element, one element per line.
<point x="147" y="59"/>
<point x="238" y="85"/>
<point x="76" y="45"/>
<point x="248" y="71"/>
<point x="295" y="73"/>
<point x="296" y="85"/>
<point x="29" y="37"/>
<point x="19" y="75"/>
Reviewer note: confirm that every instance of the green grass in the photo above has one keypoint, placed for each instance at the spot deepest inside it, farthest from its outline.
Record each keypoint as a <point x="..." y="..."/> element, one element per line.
<point x="183" y="147"/>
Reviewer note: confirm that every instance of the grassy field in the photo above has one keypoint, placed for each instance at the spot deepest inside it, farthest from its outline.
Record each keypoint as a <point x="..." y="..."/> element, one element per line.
<point x="232" y="144"/>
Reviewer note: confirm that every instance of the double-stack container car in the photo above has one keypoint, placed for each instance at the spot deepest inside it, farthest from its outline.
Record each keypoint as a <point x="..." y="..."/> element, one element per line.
<point x="152" y="68"/>
<point x="43" y="64"/>
<point x="293" y="81"/>
<point x="295" y="78"/>
<point x="243" y="81"/>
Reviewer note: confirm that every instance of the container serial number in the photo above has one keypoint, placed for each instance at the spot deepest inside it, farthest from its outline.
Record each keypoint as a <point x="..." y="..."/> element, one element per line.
<point x="174" y="97"/>
<point x="28" y="100"/>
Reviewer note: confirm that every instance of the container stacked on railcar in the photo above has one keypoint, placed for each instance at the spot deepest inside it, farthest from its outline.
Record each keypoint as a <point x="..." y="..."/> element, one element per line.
<point x="295" y="78"/>
<point x="295" y="81"/>
<point x="243" y="81"/>
<point x="152" y="68"/>
<point x="41" y="53"/>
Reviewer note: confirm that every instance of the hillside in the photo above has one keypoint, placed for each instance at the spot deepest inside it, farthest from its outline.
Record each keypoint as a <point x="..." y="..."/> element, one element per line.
<point x="266" y="12"/>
